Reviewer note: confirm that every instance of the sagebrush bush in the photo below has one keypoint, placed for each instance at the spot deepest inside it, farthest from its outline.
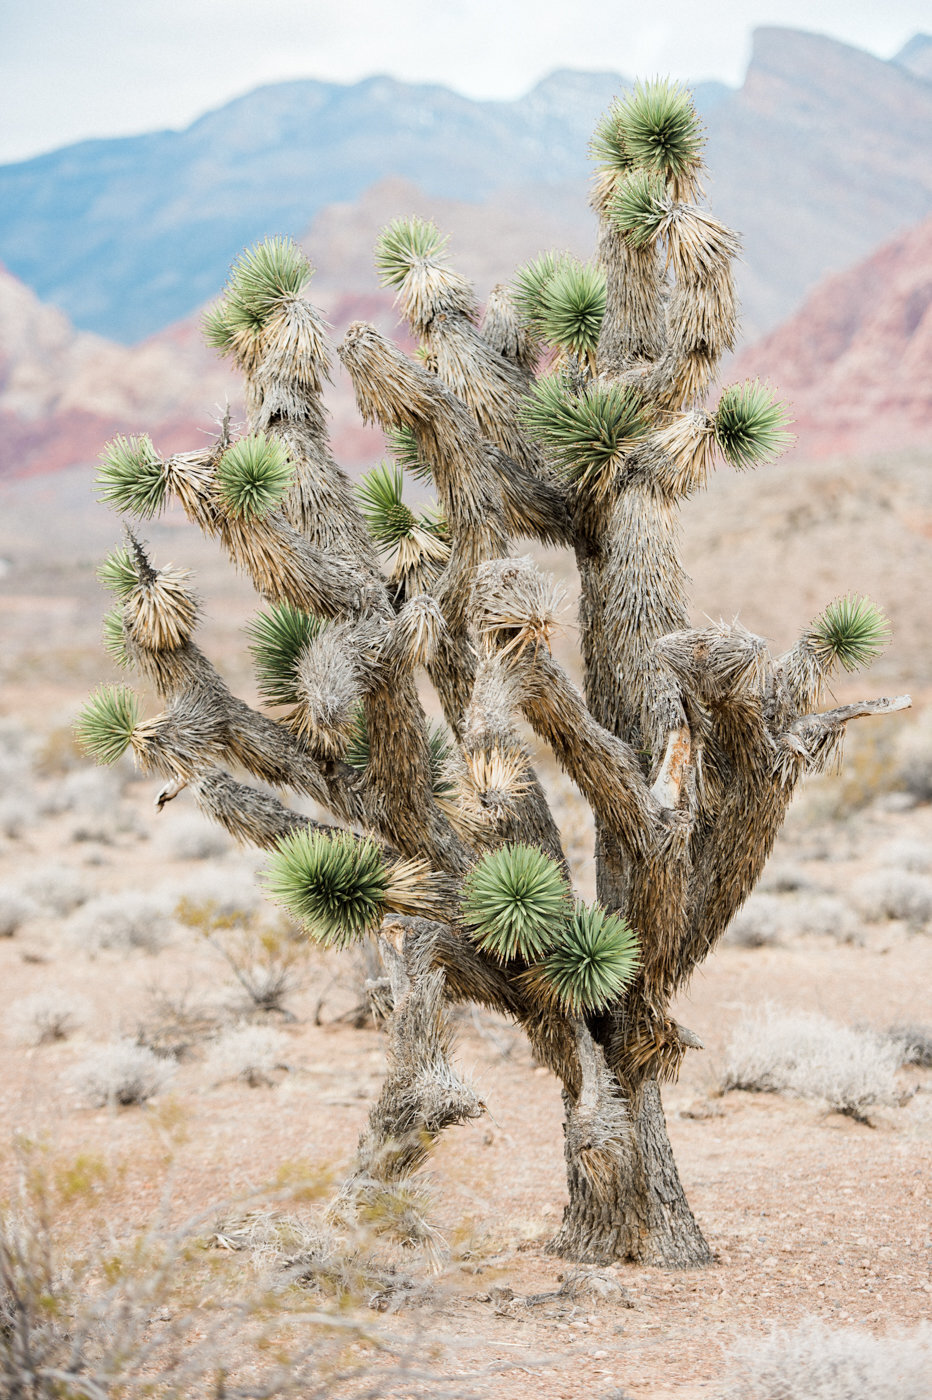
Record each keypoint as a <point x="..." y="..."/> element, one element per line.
<point x="894" y="894"/>
<point x="914" y="1044"/>
<point x="56" y="889"/>
<point x="191" y="837"/>
<point x="225" y="896"/>
<point x="914" y="757"/>
<point x="915" y="856"/>
<point x="814" y="1362"/>
<point x="250" y="1053"/>
<point x="52" y="1014"/>
<point x="121" y="1073"/>
<point x="17" y="812"/>
<point x="768" y="918"/>
<point x="15" y="910"/>
<point x="126" y="920"/>
<point x="809" y="1056"/>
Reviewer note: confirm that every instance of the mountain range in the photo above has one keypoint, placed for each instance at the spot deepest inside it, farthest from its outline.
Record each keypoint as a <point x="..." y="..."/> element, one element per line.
<point x="819" y="157"/>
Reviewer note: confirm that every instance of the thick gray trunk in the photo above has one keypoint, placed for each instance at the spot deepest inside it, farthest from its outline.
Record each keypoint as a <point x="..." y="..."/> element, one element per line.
<point x="642" y="1215"/>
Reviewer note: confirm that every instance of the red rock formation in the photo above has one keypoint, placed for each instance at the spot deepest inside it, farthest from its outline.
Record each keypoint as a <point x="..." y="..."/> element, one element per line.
<point x="854" y="361"/>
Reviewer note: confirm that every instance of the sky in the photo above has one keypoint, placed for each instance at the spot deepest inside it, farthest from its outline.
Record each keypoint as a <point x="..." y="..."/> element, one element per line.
<point x="73" y="69"/>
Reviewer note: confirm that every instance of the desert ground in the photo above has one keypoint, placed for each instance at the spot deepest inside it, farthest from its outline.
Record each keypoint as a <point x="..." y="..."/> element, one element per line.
<point x="124" y="927"/>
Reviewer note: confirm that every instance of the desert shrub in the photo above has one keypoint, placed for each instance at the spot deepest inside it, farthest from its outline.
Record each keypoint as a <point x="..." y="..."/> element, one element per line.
<point x="121" y="1073"/>
<point x="15" y="910"/>
<point x="191" y="837"/>
<point x="126" y="920"/>
<point x="213" y="897"/>
<point x="176" y="1021"/>
<point x="807" y="1055"/>
<point x="17" y="813"/>
<point x="88" y="792"/>
<point x="761" y="921"/>
<point x="815" y="1362"/>
<point x="766" y="918"/>
<point x="915" y="856"/>
<point x="786" y="879"/>
<point x="53" y="1014"/>
<point x="914" y="1043"/>
<point x="894" y="894"/>
<point x="56" y="889"/>
<point x="251" y="1053"/>
<point x="914" y="757"/>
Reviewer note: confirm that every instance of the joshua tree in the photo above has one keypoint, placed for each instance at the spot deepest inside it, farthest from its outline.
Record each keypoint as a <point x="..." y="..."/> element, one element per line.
<point x="573" y="412"/>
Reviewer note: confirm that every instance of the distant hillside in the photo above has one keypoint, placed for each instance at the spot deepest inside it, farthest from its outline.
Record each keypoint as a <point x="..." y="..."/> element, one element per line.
<point x="855" y="359"/>
<point x="822" y="155"/>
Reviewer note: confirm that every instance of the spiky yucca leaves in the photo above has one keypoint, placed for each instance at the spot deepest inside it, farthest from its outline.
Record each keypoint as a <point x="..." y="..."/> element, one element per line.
<point x="105" y="726"/>
<point x="388" y="518"/>
<point x="587" y="434"/>
<point x="529" y="284"/>
<point x="253" y="476"/>
<point x="640" y="206"/>
<point x="113" y="637"/>
<point x="132" y="477"/>
<point x="278" y="639"/>
<point x="118" y="573"/>
<point x="439" y="746"/>
<point x="513" y="899"/>
<point x="404" y="242"/>
<point x="332" y="882"/>
<point x="658" y="128"/>
<point x="572" y="305"/>
<point x="261" y="280"/>
<point x="595" y="958"/>
<point x="750" y="425"/>
<point x="851" y="633"/>
<point x="607" y="146"/>
<point x="402" y="444"/>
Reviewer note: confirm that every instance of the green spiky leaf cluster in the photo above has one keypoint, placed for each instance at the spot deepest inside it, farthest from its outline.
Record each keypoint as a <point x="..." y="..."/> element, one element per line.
<point x="404" y="242"/>
<point x="118" y="573"/>
<point x="594" y="960"/>
<point x="529" y="284"/>
<point x="588" y="433"/>
<point x="105" y="726"/>
<point x="658" y="128"/>
<point x="851" y="632"/>
<point x="333" y="883"/>
<point x="608" y="143"/>
<point x="262" y="277"/>
<point x="639" y="207"/>
<point x="512" y="900"/>
<point x="253" y="476"/>
<point x="402" y="444"/>
<point x="113" y="637"/>
<point x="278" y="638"/>
<point x="131" y="476"/>
<point x="386" y="514"/>
<point x="750" y="425"/>
<point x="572" y="307"/>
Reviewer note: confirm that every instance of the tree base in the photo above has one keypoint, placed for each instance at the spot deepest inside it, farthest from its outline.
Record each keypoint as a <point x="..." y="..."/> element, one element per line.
<point x="642" y="1216"/>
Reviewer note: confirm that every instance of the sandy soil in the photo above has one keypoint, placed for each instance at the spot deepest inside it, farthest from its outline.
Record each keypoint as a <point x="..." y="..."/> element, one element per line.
<point x="808" y="1212"/>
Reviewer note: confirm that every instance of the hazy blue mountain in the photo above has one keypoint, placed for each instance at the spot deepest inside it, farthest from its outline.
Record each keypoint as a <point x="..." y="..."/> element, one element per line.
<point x="821" y="156"/>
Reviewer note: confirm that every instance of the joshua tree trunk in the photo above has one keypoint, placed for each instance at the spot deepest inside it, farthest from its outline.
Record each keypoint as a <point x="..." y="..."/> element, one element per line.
<point x="574" y="415"/>
<point x="644" y="1215"/>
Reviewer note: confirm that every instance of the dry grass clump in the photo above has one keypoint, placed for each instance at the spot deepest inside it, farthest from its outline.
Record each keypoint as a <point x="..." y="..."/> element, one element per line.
<point x="894" y="894"/>
<point x="815" y="1362"/>
<point x="121" y="1073"/>
<point x="123" y="921"/>
<point x="809" y="1056"/>
<point x="190" y="836"/>
<point x="914" y="1043"/>
<point x="15" y="910"/>
<point x="56" y="889"/>
<point x="215" y="898"/>
<point x="250" y="1053"/>
<point x="53" y="1014"/>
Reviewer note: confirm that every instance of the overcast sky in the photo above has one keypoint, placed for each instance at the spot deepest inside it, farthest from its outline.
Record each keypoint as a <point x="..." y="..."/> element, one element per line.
<point x="70" y="69"/>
